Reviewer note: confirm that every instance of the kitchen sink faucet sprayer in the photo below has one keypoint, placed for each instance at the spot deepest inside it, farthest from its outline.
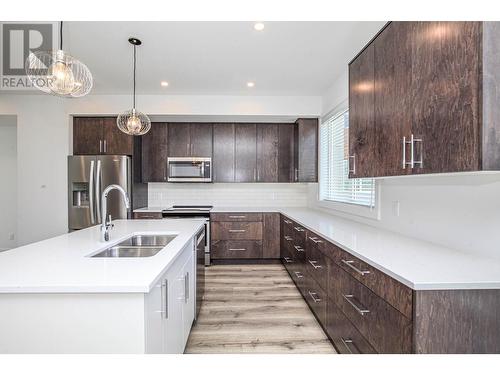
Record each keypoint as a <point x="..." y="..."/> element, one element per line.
<point x="106" y="221"/>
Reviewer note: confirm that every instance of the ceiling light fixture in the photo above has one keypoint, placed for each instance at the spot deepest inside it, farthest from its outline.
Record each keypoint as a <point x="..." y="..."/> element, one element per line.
<point x="164" y="84"/>
<point x="250" y="84"/>
<point x="134" y="122"/>
<point x="57" y="73"/>
<point x="259" y="26"/>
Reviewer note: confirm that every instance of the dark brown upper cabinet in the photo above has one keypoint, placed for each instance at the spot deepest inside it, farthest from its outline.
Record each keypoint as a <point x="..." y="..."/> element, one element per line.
<point x="306" y="150"/>
<point x="154" y="153"/>
<point x="433" y="106"/>
<point x="245" y="146"/>
<point x="286" y="160"/>
<point x="223" y="152"/>
<point x="100" y="135"/>
<point x="185" y="139"/>
<point x="267" y="152"/>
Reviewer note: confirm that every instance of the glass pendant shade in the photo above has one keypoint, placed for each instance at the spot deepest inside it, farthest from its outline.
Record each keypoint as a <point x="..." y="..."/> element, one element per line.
<point x="133" y="122"/>
<point x="57" y="73"/>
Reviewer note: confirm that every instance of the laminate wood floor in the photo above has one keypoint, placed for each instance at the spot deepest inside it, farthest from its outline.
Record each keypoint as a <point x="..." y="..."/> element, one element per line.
<point x="255" y="309"/>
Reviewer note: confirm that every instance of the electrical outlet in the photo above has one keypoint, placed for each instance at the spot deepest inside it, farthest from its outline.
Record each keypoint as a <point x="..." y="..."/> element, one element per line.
<point x="395" y="208"/>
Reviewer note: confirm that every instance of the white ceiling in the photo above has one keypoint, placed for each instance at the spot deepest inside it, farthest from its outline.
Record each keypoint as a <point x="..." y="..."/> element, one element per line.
<point x="287" y="58"/>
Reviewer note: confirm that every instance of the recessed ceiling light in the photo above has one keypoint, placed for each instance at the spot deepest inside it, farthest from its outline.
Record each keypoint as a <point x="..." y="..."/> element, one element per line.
<point x="250" y="84"/>
<point x="259" y="26"/>
<point x="164" y="83"/>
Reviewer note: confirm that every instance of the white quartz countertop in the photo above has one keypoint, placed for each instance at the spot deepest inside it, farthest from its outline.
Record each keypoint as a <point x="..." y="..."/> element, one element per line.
<point x="62" y="264"/>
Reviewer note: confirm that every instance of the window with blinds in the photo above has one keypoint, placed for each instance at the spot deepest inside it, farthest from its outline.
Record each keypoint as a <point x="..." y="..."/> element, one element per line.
<point x="334" y="163"/>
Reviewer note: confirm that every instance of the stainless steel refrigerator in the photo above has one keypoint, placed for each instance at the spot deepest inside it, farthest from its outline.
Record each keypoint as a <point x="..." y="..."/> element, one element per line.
<point x="88" y="176"/>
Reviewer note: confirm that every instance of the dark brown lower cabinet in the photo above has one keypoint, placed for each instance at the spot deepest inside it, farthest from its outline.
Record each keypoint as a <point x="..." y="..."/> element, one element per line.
<point x="363" y="310"/>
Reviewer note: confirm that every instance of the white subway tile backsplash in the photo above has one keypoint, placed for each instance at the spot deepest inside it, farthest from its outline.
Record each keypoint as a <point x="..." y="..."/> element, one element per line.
<point x="228" y="194"/>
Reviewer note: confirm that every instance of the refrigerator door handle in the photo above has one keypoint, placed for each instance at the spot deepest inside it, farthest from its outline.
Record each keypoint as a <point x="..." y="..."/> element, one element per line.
<point x="91" y="193"/>
<point x="98" y="190"/>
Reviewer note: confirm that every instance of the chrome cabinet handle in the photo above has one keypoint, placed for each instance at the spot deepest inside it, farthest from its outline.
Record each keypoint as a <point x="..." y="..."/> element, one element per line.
<point x="237" y="249"/>
<point x="237" y="216"/>
<point x="288" y="260"/>
<point x="98" y="191"/>
<point x="349" y="263"/>
<point x="421" y="161"/>
<point x="164" y="298"/>
<point x="298" y="229"/>
<point x="349" y="342"/>
<point x="186" y="287"/>
<point x="91" y="192"/>
<point x="298" y="274"/>
<point x="105" y="146"/>
<point x="404" y="152"/>
<point x="313" y="294"/>
<point x="299" y="249"/>
<point x="296" y="174"/>
<point x="313" y="263"/>
<point x="315" y="240"/>
<point x="288" y="238"/>
<point x="287" y="221"/>
<point x="359" y="309"/>
<point x="353" y="170"/>
<point x="100" y="146"/>
<point x="237" y="230"/>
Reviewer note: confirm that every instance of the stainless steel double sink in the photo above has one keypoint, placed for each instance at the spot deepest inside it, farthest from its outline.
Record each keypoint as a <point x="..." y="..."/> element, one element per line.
<point x="139" y="246"/>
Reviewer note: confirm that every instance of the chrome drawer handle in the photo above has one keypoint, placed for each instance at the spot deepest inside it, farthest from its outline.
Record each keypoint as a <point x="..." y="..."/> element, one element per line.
<point x="237" y="216"/>
<point x="313" y="263"/>
<point x="349" y="342"/>
<point x="287" y="221"/>
<point x="238" y="249"/>
<point x="349" y="263"/>
<point x="299" y="249"/>
<point x="288" y="260"/>
<point x="361" y="310"/>
<point x="315" y="240"/>
<point x="237" y="230"/>
<point x="299" y="275"/>
<point x="313" y="294"/>
<point x="288" y="238"/>
<point x="298" y="229"/>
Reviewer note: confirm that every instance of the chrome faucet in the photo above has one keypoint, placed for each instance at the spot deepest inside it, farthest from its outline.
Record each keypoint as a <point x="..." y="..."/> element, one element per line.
<point x="106" y="221"/>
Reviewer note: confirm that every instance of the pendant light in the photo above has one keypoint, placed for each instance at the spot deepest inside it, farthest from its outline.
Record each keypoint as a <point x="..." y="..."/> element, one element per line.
<point x="134" y="122"/>
<point x="58" y="73"/>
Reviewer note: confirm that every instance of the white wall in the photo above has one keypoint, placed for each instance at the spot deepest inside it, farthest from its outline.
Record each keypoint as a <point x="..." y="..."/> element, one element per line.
<point x="460" y="211"/>
<point x="8" y="185"/>
<point x="44" y="141"/>
<point x="229" y="195"/>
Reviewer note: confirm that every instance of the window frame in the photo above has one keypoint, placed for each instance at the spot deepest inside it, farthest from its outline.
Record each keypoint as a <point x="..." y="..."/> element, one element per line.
<point x="371" y="212"/>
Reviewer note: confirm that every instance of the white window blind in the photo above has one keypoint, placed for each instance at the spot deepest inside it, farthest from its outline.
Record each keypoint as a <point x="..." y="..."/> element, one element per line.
<point x="334" y="163"/>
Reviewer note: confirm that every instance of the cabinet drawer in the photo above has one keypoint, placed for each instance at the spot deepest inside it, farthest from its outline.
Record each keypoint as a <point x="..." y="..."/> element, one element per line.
<point x="395" y="293"/>
<point x="237" y="230"/>
<point x="344" y="335"/>
<point x="316" y="265"/>
<point x="236" y="216"/>
<point x="385" y="328"/>
<point x="236" y="250"/>
<point x="316" y="298"/>
<point x="148" y="215"/>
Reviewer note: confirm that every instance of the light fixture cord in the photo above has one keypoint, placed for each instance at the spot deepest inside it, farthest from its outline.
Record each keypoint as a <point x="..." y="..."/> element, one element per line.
<point x="134" y="75"/>
<point x="61" y="35"/>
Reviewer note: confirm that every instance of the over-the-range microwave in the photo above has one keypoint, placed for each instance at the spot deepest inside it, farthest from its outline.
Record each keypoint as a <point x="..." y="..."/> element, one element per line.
<point x="189" y="169"/>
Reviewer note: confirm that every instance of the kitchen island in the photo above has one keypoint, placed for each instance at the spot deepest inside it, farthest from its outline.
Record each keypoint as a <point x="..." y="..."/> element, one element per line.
<point x="56" y="298"/>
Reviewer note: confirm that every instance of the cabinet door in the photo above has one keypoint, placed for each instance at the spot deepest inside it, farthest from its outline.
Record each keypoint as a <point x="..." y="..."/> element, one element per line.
<point x="179" y="142"/>
<point x="245" y="153"/>
<point x="267" y="152"/>
<point x="271" y="236"/>
<point x="445" y="90"/>
<point x="392" y="54"/>
<point x="188" y="307"/>
<point x="154" y="153"/>
<point x="173" y="334"/>
<point x="286" y="162"/>
<point x="361" y="115"/>
<point x="154" y="319"/>
<point x="87" y="135"/>
<point x="201" y="140"/>
<point x="307" y="151"/>
<point x="223" y="153"/>
<point x="115" y="141"/>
